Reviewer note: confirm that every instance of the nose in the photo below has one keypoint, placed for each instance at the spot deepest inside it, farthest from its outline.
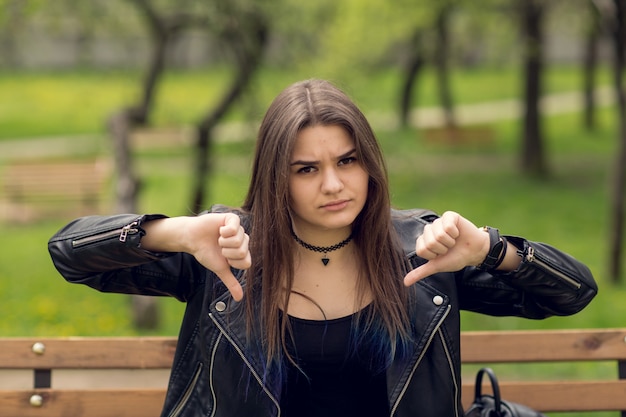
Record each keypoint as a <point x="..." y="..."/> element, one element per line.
<point x="331" y="182"/>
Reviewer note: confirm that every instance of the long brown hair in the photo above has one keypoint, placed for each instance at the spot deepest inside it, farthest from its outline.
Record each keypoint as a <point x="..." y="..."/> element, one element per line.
<point x="304" y="104"/>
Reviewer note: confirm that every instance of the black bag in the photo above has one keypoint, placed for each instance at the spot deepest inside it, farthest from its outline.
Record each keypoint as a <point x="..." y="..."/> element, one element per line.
<point x="494" y="406"/>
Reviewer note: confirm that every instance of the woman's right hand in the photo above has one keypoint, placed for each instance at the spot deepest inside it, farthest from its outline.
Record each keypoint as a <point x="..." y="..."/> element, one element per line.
<point x="216" y="240"/>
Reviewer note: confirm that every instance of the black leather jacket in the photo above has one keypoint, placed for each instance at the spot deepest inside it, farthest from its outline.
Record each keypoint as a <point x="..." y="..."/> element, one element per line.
<point x="216" y="374"/>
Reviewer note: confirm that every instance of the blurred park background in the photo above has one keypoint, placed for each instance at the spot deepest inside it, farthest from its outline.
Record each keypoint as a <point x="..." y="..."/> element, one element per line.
<point x="510" y="112"/>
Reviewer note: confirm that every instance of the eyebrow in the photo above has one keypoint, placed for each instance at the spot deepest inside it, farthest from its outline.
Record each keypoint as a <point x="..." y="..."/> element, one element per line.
<point x="340" y="157"/>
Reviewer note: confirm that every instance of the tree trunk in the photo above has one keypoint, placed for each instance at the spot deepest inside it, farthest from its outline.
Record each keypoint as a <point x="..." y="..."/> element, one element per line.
<point x="249" y="48"/>
<point x="590" y="63"/>
<point x="145" y="310"/>
<point x="533" y="158"/>
<point x="442" y="53"/>
<point x="411" y="75"/>
<point x="204" y="141"/>
<point x="126" y="184"/>
<point x="616" y="230"/>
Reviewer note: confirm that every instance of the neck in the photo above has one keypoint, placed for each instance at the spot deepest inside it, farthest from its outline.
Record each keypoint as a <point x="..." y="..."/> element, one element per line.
<point x="323" y="250"/>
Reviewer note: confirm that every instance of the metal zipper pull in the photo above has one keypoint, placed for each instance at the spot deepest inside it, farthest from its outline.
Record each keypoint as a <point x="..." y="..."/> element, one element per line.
<point x="532" y="258"/>
<point x="126" y="230"/>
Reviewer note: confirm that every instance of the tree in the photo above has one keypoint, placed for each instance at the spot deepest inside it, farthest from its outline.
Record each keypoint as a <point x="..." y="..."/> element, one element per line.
<point x="439" y="55"/>
<point x="415" y="63"/>
<point x="163" y="28"/>
<point x="533" y="155"/>
<point x="12" y="14"/>
<point x="239" y="27"/>
<point x="616" y="22"/>
<point x="245" y="34"/>
<point x="590" y="62"/>
<point x="442" y="59"/>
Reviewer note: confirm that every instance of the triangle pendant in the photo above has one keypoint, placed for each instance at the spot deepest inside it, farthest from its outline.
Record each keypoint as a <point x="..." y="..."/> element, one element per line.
<point x="325" y="261"/>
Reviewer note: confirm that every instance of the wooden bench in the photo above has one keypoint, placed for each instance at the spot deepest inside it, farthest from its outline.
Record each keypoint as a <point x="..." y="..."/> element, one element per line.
<point x="37" y="188"/>
<point x="118" y="377"/>
<point x="562" y="348"/>
<point x="84" y="377"/>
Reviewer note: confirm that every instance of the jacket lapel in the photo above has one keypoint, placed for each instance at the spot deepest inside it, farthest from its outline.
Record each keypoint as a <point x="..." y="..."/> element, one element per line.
<point x="433" y="307"/>
<point x="229" y="317"/>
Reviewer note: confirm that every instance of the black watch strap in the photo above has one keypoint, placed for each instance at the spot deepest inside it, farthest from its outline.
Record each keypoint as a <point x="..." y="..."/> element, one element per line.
<point x="497" y="250"/>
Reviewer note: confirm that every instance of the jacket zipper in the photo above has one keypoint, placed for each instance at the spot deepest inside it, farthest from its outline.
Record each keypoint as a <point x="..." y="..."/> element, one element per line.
<point x="121" y="233"/>
<point x="533" y="258"/>
<point x="247" y="362"/>
<point x="454" y="376"/>
<point x="419" y="360"/>
<point x="183" y="401"/>
<point x="217" y="342"/>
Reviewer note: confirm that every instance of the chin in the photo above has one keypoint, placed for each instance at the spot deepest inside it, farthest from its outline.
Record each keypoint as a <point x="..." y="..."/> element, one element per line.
<point x="341" y="222"/>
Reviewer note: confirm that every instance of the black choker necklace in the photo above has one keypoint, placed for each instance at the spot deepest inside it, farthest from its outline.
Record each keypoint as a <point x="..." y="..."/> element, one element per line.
<point x="322" y="249"/>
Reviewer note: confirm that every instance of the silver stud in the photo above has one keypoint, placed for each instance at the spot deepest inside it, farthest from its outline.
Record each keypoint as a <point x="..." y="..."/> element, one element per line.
<point x="220" y="306"/>
<point x="438" y="300"/>
<point x="39" y="348"/>
<point x="36" y="400"/>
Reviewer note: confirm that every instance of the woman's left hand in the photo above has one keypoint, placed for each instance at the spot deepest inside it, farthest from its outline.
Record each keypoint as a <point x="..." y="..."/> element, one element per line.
<point x="449" y="244"/>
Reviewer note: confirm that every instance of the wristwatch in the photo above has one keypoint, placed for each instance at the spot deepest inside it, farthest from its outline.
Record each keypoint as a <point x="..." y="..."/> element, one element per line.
<point x="497" y="250"/>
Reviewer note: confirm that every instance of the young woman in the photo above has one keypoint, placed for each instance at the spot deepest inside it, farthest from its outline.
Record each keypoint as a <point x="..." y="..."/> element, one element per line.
<point x="316" y="298"/>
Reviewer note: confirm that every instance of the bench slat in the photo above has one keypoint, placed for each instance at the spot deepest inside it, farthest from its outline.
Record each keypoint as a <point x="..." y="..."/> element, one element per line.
<point x="92" y="352"/>
<point x="559" y="395"/>
<point x="544" y="396"/>
<point x="88" y="403"/>
<point x="543" y="346"/>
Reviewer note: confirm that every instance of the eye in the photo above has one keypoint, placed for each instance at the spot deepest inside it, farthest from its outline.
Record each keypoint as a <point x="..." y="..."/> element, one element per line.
<point x="347" y="161"/>
<point x="306" y="170"/>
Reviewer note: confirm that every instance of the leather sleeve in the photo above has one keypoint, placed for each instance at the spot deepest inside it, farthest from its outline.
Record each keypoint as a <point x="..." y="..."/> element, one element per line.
<point x="548" y="282"/>
<point x="104" y="252"/>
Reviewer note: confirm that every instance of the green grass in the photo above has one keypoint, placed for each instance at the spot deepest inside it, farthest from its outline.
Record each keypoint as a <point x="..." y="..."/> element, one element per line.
<point x="77" y="102"/>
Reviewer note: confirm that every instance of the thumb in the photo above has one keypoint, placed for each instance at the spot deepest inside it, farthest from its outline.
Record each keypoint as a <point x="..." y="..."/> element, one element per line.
<point x="234" y="287"/>
<point x="419" y="273"/>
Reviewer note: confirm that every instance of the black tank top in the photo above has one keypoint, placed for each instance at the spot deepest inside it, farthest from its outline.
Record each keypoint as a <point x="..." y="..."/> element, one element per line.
<point x="335" y="381"/>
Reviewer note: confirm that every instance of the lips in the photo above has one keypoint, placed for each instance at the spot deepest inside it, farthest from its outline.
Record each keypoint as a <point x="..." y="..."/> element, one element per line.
<point x="335" y="205"/>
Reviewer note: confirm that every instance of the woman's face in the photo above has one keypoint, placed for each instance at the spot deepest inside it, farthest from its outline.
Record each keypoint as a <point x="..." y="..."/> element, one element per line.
<point x="327" y="183"/>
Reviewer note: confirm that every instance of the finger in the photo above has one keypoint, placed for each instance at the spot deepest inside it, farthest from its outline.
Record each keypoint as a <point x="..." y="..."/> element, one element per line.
<point x="433" y="242"/>
<point x="422" y="250"/>
<point x="419" y="273"/>
<point x="231" y="226"/>
<point x="232" y="235"/>
<point x="444" y="236"/>
<point x="234" y="241"/>
<point x="429" y="246"/>
<point x="234" y="287"/>
<point x="449" y="222"/>
<point x="239" y="256"/>
<point x="243" y="263"/>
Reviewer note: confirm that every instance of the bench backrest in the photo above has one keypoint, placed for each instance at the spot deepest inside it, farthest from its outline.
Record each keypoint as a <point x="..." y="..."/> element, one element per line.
<point x="43" y="187"/>
<point x="561" y="392"/>
<point x="86" y="377"/>
<point x="106" y="377"/>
